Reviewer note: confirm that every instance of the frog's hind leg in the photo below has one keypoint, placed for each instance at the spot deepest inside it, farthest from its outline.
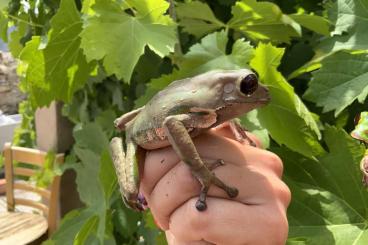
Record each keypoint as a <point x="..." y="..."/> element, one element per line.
<point x="126" y="167"/>
<point x="176" y="129"/>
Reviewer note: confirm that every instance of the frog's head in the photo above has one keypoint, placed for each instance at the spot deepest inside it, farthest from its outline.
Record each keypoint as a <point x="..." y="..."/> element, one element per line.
<point x="242" y="87"/>
<point x="237" y="92"/>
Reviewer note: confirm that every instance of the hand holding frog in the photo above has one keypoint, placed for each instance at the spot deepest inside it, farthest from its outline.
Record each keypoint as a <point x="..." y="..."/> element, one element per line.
<point x="256" y="216"/>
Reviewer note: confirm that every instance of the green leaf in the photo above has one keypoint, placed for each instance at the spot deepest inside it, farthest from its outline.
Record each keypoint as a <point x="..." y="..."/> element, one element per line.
<point x="66" y="68"/>
<point x="125" y="220"/>
<point x="341" y="80"/>
<point x="351" y="19"/>
<point x="105" y="120"/>
<point x="70" y="227"/>
<point x="96" y="181"/>
<point x="252" y="123"/>
<point x="313" y="22"/>
<point x="3" y="27"/>
<point x="119" y="39"/>
<point x="198" y="22"/>
<point x="33" y="79"/>
<point x="263" y="21"/>
<point x="85" y="231"/>
<point x="46" y="174"/>
<point x="107" y="175"/>
<point x="346" y="15"/>
<point x="207" y="55"/>
<point x="286" y="118"/>
<point x="15" y="45"/>
<point x="4" y="3"/>
<point x="329" y="204"/>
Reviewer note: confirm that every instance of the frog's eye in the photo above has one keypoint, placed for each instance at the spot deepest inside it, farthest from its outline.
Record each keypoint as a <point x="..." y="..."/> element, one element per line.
<point x="249" y="84"/>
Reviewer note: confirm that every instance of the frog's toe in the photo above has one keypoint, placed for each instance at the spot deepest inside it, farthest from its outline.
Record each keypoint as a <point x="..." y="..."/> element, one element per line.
<point x="232" y="192"/>
<point x="201" y="205"/>
<point x="213" y="164"/>
<point x="136" y="204"/>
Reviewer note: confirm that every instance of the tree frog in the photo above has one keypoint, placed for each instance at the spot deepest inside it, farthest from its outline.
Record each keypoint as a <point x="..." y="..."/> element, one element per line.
<point x="175" y="115"/>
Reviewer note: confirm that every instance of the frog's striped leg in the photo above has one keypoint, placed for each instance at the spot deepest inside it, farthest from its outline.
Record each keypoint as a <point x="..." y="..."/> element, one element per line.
<point x="178" y="136"/>
<point x="126" y="167"/>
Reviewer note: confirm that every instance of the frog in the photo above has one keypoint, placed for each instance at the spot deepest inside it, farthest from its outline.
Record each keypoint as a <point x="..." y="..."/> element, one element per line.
<point x="174" y="116"/>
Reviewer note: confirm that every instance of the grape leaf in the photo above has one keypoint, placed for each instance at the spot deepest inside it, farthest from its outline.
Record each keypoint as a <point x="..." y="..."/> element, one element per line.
<point x="286" y="118"/>
<point x="342" y="79"/>
<point x="96" y="181"/>
<point x="207" y="55"/>
<point x="252" y="124"/>
<point x="313" y="22"/>
<point x="351" y="20"/>
<point x="198" y="22"/>
<point x="329" y="203"/>
<point x="66" y="68"/>
<point x="263" y="21"/>
<point x="347" y="14"/>
<point x="4" y="3"/>
<point x="33" y="79"/>
<point x="15" y="37"/>
<point x="119" y="39"/>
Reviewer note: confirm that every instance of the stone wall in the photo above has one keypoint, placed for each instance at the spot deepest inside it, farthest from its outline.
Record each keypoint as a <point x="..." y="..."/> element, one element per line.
<point x="10" y="95"/>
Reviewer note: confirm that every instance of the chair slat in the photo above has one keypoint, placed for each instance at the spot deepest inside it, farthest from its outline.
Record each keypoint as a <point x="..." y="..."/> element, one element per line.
<point x="26" y="155"/>
<point x="27" y="187"/>
<point x="24" y="171"/>
<point x="37" y="205"/>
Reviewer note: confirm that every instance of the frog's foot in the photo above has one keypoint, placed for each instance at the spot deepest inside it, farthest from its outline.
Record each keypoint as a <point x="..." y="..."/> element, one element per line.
<point x="240" y="132"/>
<point x="138" y="204"/>
<point x="206" y="182"/>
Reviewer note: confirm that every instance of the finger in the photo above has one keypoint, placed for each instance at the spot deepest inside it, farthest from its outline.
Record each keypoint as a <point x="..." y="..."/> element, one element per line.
<point x="177" y="186"/>
<point x="171" y="240"/>
<point x="210" y="146"/>
<point x="247" y="224"/>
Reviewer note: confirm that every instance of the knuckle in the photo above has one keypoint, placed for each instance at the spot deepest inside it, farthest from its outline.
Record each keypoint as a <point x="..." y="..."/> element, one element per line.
<point x="283" y="193"/>
<point x="278" y="219"/>
<point x="275" y="163"/>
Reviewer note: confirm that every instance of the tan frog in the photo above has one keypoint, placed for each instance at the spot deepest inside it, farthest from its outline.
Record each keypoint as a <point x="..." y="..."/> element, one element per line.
<point x="178" y="113"/>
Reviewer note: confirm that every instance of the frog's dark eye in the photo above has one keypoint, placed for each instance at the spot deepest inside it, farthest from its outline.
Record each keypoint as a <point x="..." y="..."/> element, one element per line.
<point x="249" y="84"/>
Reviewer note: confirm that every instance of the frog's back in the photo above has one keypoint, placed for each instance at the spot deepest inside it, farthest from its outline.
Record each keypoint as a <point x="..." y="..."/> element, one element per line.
<point x="178" y="98"/>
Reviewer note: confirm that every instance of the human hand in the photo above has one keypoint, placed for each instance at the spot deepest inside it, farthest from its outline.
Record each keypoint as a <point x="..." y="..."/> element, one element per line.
<point x="256" y="216"/>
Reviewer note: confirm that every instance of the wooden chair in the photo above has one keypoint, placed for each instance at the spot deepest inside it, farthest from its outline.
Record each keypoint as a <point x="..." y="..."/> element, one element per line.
<point x="20" y="227"/>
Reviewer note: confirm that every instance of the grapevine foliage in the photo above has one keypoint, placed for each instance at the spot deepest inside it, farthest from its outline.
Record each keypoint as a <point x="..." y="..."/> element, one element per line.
<point x="104" y="57"/>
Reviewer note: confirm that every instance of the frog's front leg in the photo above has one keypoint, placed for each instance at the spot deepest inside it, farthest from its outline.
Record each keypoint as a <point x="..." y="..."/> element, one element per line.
<point x="126" y="167"/>
<point x="239" y="132"/>
<point x="176" y="130"/>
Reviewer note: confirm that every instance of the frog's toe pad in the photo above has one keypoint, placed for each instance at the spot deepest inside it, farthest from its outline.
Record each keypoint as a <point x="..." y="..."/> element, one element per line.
<point x="201" y="205"/>
<point x="232" y="192"/>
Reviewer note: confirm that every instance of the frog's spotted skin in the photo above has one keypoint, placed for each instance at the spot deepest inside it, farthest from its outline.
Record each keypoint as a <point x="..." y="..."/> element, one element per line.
<point x="178" y="113"/>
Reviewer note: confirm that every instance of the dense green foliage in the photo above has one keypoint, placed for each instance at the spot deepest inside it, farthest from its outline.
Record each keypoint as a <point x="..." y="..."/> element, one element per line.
<point x="103" y="57"/>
